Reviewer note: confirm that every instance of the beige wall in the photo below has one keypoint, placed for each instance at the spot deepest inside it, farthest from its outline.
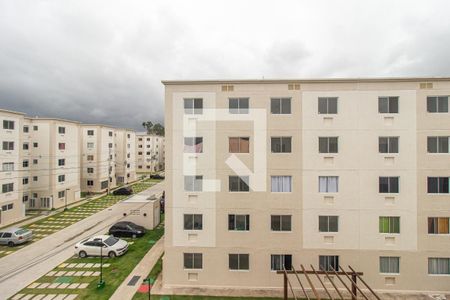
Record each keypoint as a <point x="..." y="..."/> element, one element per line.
<point x="358" y="164"/>
<point x="150" y="152"/>
<point x="125" y="156"/>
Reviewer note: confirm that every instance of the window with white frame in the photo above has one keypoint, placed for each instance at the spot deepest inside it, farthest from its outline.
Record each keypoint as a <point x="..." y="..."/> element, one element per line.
<point x="281" y="184"/>
<point x="388" y="184"/>
<point x="61" y="178"/>
<point x="328" y="223"/>
<point x="193" y="260"/>
<point x="390" y="264"/>
<point x="7" y="124"/>
<point x="239" y="261"/>
<point x="280" y="262"/>
<point x="238" y="105"/>
<point x="328" y="144"/>
<point x="8" y="166"/>
<point x="61" y="162"/>
<point x="9" y="146"/>
<point x="439" y="265"/>
<point x="388" y="144"/>
<point x="238" y="183"/>
<point x="193" y="221"/>
<point x="438" y="225"/>
<point x="327" y="105"/>
<point x="25" y="163"/>
<point x="281" y="144"/>
<point x="193" y="106"/>
<point x="437" y="104"/>
<point x="328" y="262"/>
<point x="388" y="105"/>
<point x="193" y="183"/>
<point x="90" y="182"/>
<point x="328" y="184"/>
<point x="389" y="224"/>
<point x="239" y="222"/>
<point x="61" y="130"/>
<point x="281" y="222"/>
<point x="280" y="106"/>
<point x="193" y="144"/>
<point x="438" y="185"/>
<point x="61" y="194"/>
<point x="7" y="187"/>
<point x="90" y="132"/>
<point x="90" y="145"/>
<point x="438" y="144"/>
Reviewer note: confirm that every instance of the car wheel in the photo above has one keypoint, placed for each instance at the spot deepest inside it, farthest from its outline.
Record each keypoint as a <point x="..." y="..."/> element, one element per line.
<point x="11" y="244"/>
<point x="82" y="254"/>
<point x="112" y="254"/>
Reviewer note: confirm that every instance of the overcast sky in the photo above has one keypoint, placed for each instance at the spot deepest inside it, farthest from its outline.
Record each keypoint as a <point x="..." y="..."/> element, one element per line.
<point x="103" y="61"/>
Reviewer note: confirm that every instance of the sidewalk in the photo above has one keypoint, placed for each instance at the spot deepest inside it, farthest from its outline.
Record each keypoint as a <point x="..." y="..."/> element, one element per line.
<point x="125" y="291"/>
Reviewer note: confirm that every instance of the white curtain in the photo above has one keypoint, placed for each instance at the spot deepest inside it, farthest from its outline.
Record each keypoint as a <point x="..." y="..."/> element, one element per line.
<point x="328" y="184"/>
<point x="281" y="184"/>
<point x="439" y="266"/>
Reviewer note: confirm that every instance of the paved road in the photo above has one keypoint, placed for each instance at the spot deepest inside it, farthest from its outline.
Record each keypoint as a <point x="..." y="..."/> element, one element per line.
<point x="26" y="265"/>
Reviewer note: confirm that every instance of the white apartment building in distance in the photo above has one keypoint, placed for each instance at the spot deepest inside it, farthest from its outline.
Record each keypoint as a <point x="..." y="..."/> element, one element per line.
<point x="262" y="174"/>
<point x="125" y="140"/>
<point x="47" y="162"/>
<point x="150" y="152"/>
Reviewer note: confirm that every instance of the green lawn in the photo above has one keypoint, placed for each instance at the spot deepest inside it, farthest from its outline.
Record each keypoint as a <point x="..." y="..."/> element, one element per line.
<point x="157" y="268"/>
<point x="114" y="275"/>
<point x="61" y="220"/>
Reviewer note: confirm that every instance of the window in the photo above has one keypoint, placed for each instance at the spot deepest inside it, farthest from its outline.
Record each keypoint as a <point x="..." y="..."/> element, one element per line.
<point x="25" y="180"/>
<point x="239" y="222"/>
<point x="280" y="106"/>
<point x="193" y="260"/>
<point x="91" y="132"/>
<point x="90" y="183"/>
<point x="110" y="145"/>
<point x="61" y="162"/>
<point x="35" y="161"/>
<point x="35" y="128"/>
<point x="328" y="223"/>
<point x="328" y="105"/>
<point x="61" y="178"/>
<point x="25" y="198"/>
<point x="90" y="170"/>
<point x="193" y="183"/>
<point x="140" y="153"/>
<point x="438" y="185"/>
<point x="7" y="187"/>
<point x="238" y="261"/>
<point x="35" y="178"/>
<point x="281" y="184"/>
<point x="110" y="133"/>
<point x="90" y="145"/>
<point x="280" y="262"/>
<point x="193" y="106"/>
<point x="280" y="222"/>
<point x="104" y="184"/>
<point x="25" y="146"/>
<point x="26" y="129"/>
<point x="389" y="224"/>
<point x="390" y="264"/>
<point x="328" y="184"/>
<point x="148" y="153"/>
<point x="35" y="145"/>
<point x="281" y="144"/>
<point x="193" y="144"/>
<point x="5" y="208"/>
<point x="437" y="104"/>
<point x="61" y="146"/>
<point x="388" y="144"/>
<point x="140" y="139"/>
<point x="328" y="262"/>
<point x="388" y="184"/>
<point x="328" y="144"/>
<point x="61" y="130"/>
<point x="439" y="266"/>
<point x="90" y="157"/>
<point x="438" y="225"/>
<point x="61" y="194"/>
<point x="238" y="105"/>
<point x="193" y="222"/>
<point x="438" y="144"/>
<point x="25" y="164"/>
<point x="8" y="124"/>
<point x="388" y="105"/>
<point x="239" y="144"/>
<point x="8" y="146"/>
<point x="8" y="166"/>
<point x="238" y="184"/>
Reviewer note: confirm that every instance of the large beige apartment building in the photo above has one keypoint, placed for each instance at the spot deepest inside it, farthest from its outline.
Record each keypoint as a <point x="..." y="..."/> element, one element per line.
<point x="47" y="162"/>
<point x="150" y="152"/>
<point x="266" y="174"/>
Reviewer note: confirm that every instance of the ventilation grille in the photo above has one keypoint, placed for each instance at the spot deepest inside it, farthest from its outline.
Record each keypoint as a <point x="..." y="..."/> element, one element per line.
<point x="227" y="88"/>
<point x="426" y="85"/>
<point x="293" y="86"/>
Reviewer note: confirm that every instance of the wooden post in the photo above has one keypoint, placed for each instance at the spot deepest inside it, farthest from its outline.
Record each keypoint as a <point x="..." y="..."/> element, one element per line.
<point x="354" y="291"/>
<point x="285" y="287"/>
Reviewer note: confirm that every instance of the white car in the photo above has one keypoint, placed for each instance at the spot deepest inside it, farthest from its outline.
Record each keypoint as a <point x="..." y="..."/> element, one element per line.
<point x="104" y="245"/>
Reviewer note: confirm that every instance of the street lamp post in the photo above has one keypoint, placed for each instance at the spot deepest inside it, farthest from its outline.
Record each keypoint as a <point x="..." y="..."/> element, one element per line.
<point x="149" y="281"/>
<point x="101" y="283"/>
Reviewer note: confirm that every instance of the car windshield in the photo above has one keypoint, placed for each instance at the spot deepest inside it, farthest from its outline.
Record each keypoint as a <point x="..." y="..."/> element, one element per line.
<point x="111" y="241"/>
<point x="21" y="231"/>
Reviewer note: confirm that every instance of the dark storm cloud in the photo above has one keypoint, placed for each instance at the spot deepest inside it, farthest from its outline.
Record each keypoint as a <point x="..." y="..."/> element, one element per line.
<point x="102" y="61"/>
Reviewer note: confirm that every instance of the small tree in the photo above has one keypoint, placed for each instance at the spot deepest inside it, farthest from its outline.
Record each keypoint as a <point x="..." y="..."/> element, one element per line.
<point x="151" y="128"/>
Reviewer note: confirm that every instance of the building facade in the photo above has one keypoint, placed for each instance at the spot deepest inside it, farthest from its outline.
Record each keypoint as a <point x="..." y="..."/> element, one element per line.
<point x="125" y="140"/>
<point x="266" y="174"/>
<point x="150" y="152"/>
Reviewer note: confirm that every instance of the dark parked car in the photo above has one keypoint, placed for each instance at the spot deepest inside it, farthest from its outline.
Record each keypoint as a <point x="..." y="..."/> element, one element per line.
<point x="123" y="191"/>
<point x="156" y="176"/>
<point x="127" y="229"/>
